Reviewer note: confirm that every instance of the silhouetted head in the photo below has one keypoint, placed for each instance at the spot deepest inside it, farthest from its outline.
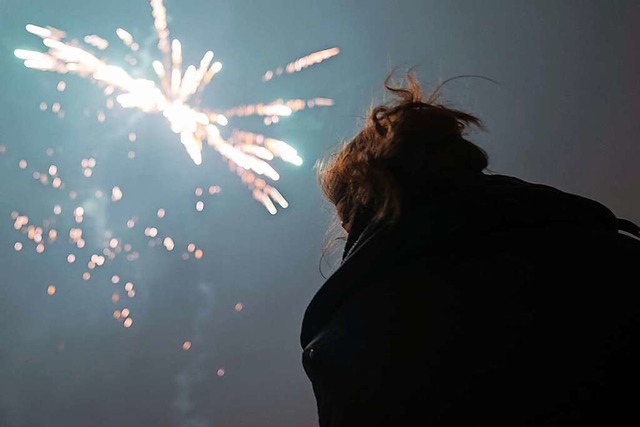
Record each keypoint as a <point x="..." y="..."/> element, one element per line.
<point x="405" y="147"/>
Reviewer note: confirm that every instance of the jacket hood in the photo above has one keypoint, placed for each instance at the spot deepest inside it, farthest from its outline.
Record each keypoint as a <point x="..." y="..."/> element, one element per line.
<point x="498" y="203"/>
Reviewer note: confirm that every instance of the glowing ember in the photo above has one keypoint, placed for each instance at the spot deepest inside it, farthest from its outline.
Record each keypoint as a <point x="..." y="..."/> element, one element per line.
<point x="116" y="194"/>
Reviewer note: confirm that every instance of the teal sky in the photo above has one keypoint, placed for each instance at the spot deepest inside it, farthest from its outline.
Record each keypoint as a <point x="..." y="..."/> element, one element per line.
<point x="566" y="114"/>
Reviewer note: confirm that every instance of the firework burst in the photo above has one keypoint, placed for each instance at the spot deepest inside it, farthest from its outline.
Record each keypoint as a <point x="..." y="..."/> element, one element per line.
<point x="174" y="93"/>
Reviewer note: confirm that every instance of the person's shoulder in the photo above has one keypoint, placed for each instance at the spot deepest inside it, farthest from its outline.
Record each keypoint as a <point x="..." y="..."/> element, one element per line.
<point x="509" y="180"/>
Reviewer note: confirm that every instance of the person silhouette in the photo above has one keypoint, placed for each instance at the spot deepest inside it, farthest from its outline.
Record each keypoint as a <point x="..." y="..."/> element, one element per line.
<point x="466" y="297"/>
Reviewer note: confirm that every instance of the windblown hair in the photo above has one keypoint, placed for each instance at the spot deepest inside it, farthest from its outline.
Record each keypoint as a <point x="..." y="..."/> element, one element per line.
<point x="404" y="145"/>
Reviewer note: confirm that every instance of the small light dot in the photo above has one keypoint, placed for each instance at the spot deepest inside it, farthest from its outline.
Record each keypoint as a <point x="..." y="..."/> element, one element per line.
<point x="86" y="275"/>
<point x="198" y="191"/>
<point x="186" y="345"/>
<point x="168" y="243"/>
<point x="191" y="247"/>
<point x="55" y="107"/>
<point x="99" y="194"/>
<point x="161" y="212"/>
<point x="53" y="170"/>
<point x="61" y="86"/>
<point x="73" y="195"/>
<point x="101" y="117"/>
<point x="131" y="223"/>
<point x="22" y="164"/>
<point x="113" y="243"/>
<point x="115" y="279"/>
<point x="17" y="246"/>
<point x="128" y="322"/>
<point x="199" y="253"/>
<point x="71" y="258"/>
<point x="131" y="155"/>
<point x="80" y="243"/>
<point x="125" y="312"/>
<point x="116" y="194"/>
<point x="128" y="286"/>
<point x="220" y="372"/>
<point x="200" y="206"/>
<point x="115" y="297"/>
<point x="43" y="106"/>
<point x="132" y="137"/>
<point x="75" y="234"/>
<point x="239" y="306"/>
<point x="131" y="293"/>
<point x="87" y="172"/>
<point x="116" y="314"/>
<point x="51" y="290"/>
<point x="214" y="189"/>
<point x="40" y="248"/>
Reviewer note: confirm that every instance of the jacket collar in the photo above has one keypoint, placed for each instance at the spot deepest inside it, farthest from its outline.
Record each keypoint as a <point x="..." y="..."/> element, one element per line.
<point x="343" y="281"/>
<point x="448" y="215"/>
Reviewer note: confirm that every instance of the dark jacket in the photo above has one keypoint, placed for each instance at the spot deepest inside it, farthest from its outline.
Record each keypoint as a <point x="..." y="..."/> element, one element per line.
<point x="493" y="302"/>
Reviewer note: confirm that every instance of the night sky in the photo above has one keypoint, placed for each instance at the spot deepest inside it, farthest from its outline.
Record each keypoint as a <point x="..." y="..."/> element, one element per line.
<point x="566" y="114"/>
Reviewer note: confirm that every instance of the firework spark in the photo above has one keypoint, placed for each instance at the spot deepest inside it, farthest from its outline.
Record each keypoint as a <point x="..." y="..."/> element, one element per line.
<point x="302" y="63"/>
<point x="174" y="94"/>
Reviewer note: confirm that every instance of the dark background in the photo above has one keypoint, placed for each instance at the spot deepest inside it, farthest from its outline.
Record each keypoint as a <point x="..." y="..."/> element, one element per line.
<point x="567" y="114"/>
